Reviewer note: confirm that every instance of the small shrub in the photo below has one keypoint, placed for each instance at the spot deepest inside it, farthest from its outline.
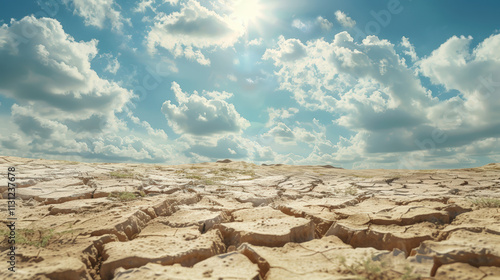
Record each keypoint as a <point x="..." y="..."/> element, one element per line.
<point x="123" y="196"/>
<point x="368" y="269"/>
<point x="486" y="202"/>
<point x="118" y="174"/>
<point x="38" y="238"/>
<point x="351" y="191"/>
<point x="193" y="176"/>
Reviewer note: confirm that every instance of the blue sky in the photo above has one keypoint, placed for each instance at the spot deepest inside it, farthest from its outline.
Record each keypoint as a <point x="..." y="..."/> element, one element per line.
<point x="356" y="84"/>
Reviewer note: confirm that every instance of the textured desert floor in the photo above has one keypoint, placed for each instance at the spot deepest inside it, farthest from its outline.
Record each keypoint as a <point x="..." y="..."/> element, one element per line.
<point x="235" y="220"/>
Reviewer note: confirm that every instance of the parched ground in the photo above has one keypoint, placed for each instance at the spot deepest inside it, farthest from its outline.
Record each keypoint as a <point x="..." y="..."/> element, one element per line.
<point x="235" y="220"/>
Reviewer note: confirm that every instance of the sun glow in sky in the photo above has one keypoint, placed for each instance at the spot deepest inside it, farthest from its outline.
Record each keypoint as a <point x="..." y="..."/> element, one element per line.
<point x="355" y="84"/>
<point x="248" y="11"/>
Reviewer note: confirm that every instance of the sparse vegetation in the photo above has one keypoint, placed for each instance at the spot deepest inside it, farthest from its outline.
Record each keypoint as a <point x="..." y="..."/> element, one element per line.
<point x="486" y="202"/>
<point x="226" y="171"/>
<point x="352" y="190"/>
<point x="368" y="269"/>
<point x="67" y="162"/>
<point x="208" y="182"/>
<point x="38" y="238"/>
<point x="123" y="174"/>
<point x="362" y="176"/>
<point x="123" y="196"/>
<point x="213" y="176"/>
<point x="193" y="176"/>
<point x="408" y="275"/>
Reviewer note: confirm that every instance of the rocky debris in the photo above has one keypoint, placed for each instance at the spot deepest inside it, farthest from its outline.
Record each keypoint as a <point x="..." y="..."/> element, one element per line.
<point x="235" y="220"/>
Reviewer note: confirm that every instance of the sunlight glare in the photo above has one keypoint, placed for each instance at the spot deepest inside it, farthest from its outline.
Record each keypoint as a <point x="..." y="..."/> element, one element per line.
<point x="247" y="11"/>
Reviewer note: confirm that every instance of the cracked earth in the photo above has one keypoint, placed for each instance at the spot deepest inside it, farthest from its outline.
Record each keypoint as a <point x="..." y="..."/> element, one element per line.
<point x="235" y="220"/>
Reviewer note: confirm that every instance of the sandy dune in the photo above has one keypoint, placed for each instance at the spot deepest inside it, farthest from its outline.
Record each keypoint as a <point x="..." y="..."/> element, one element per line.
<point x="235" y="220"/>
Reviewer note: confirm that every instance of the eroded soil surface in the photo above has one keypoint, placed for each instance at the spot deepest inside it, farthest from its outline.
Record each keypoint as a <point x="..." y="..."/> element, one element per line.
<point x="235" y="220"/>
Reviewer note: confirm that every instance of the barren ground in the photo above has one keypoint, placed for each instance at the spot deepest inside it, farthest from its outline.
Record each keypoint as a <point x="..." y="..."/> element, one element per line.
<point x="235" y="220"/>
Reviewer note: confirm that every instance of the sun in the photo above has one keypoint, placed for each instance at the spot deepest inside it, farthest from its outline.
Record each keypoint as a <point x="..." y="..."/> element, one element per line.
<point x="247" y="11"/>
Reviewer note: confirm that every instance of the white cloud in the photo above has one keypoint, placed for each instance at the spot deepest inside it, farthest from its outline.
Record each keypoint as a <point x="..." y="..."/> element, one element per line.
<point x="46" y="134"/>
<point x="474" y="74"/>
<point x="143" y="5"/>
<point x="159" y="133"/>
<point x="199" y="115"/>
<point x="281" y="133"/>
<point x="255" y="42"/>
<point x="288" y="50"/>
<point x="324" y="23"/>
<point x="344" y="20"/>
<point x="62" y="107"/>
<point x="297" y="23"/>
<point x="216" y="95"/>
<point x="113" y="64"/>
<point x="53" y="69"/>
<point x="280" y="114"/>
<point x="196" y="55"/>
<point x="226" y="146"/>
<point x="306" y="26"/>
<point x="297" y="133"/>
<point x="97" y="12"/>
<point x="370" y="90"/>
<point x="194" y="28"/>
<point x="410" y="49"/>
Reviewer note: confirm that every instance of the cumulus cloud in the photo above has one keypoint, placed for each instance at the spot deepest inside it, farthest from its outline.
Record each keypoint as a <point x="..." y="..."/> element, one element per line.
<point x="288" y="50"/>
<point x="255" y="42"/>
<point x="324" y="23"/>
<point x="199" y="115"/>
<point x="344" y="74"/>
<point x="62" y="107"/>
<point x="113" y="64"/>
<point x="98" y="12"/>
<point x="226" y="146"/>
<point x="52" y="73"/>
<point x="344" y="20"/>
<point x="193" y="28"/>
<point x="473" y="74"/>
<point x="295" y="133"/>
<point x="308" y="25"/>
<point x="280" y="114"/>
<point x="410" y="49"/>
<point x="281" y="133"/>
<point x="46" y="134"/>
<point x="302" y="26"/>
<point x="158" y="133"/>
<point x="370" y="90"/>
<point x="143" y="5"/>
